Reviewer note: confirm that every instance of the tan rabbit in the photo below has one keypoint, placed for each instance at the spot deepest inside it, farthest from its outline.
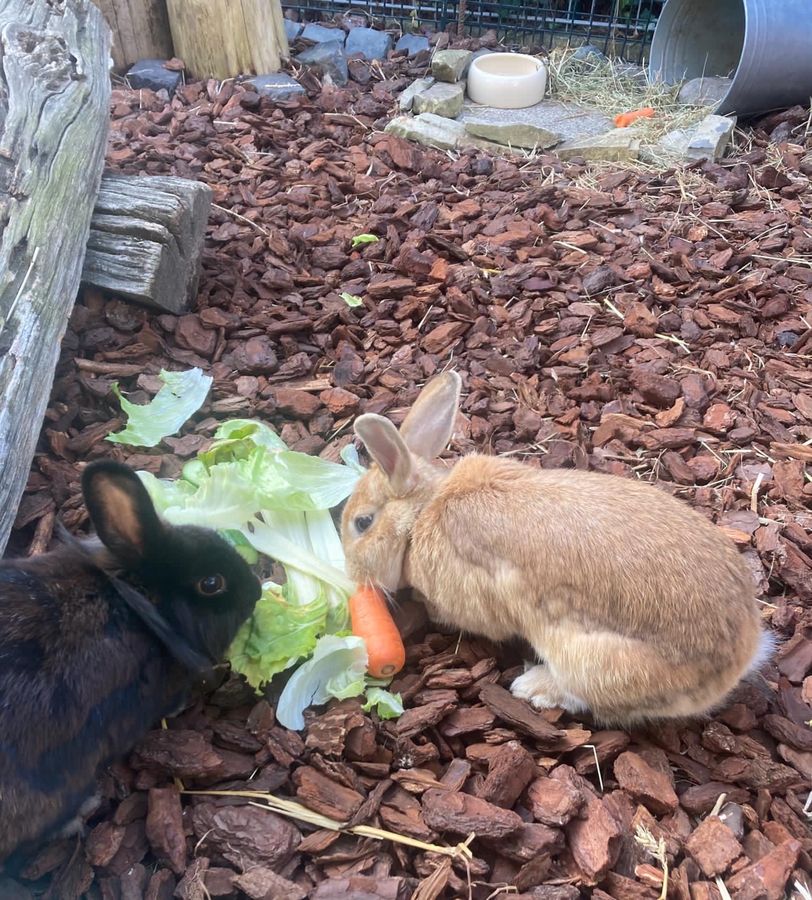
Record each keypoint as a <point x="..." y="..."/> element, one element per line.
<point x="637" y="606"/>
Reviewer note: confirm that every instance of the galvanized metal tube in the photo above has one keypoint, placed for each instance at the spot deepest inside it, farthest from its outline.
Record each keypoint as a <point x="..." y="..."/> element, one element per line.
<point x="764" y="45"/>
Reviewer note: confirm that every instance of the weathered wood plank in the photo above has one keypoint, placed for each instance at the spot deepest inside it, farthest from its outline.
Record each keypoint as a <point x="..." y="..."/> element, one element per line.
<point x="140" y="30"/>
<point x="224" y="38"/>
<point x="146" y="238"/>
<point x="54" y="98"/>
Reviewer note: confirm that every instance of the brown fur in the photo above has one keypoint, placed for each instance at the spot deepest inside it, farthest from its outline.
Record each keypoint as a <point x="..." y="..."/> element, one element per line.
<point x="638" y="606"/>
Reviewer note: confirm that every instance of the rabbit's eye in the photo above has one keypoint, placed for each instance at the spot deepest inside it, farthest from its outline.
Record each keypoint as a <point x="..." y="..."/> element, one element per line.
<point x="362" y="523"/>
<point x="211" y="585"/>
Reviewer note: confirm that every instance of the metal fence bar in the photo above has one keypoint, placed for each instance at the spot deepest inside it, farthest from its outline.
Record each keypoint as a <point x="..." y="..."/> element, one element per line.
<point x="623" y="28"/>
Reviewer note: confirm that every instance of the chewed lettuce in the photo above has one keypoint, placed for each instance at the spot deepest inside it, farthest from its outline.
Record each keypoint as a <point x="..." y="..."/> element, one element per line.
<point x="181" y="396"/>
<point x="336" y="669"/>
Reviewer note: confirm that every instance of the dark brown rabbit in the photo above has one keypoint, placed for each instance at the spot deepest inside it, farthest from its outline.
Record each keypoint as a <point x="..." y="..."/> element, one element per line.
<point x="98" y="641"/>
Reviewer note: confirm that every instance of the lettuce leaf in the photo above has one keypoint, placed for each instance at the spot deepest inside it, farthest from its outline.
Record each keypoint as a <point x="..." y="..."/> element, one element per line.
<point x="336" y="669"/>
<point x="181" y="396"/>
<point x="277" y="636"/>
<point x="385" y="703"/>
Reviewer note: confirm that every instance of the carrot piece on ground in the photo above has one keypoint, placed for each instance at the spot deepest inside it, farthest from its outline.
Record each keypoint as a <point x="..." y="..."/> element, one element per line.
<point x="625" y="119"/>
<point x="371" y="620"/>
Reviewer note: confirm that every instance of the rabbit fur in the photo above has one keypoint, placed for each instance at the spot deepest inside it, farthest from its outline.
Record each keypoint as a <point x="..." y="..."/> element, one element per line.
<point x="637" y="606"/>
<point x="99" y="640"/>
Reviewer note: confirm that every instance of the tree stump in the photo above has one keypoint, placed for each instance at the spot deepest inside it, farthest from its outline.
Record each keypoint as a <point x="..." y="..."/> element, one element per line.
<point x="54" y="99"/>
<point x="140" y="30"/>
<point x="146" y="238"/>
<point x="223" y="38"/>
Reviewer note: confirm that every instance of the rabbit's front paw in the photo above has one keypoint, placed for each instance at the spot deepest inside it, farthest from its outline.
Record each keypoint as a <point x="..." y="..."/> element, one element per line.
<point x="538" y="686"/>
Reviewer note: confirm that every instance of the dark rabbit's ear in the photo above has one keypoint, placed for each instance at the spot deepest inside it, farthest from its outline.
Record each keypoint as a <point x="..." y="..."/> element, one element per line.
<point x="121" y="510"/>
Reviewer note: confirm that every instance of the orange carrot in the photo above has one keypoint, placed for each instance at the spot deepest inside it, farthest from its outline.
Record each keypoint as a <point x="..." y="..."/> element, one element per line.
<point x="625" y="119"/>
<point x="371" y="620"/>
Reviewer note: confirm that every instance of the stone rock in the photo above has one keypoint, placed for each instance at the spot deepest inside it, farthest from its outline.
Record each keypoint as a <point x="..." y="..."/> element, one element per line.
<point x="320" y="34"/>
<point x="440" y="100"/>
<point x="567" y="120"/>
<point x="418" y="86"/>
<point x="706" y="91"/>
<point x="369" y="42"/>
<point x="513" y="134"/>
<point x="617" y="145"/>
<point x="278" y="86"/>
<point x="292" y="29"/>
<point x="428" y="129"/>
<point x="714" y="846"/>
<point x="449" y="65"/>
<point x="329" y="56"/>
<point x="707" y="139"/>
<point x="412" y="44"/>
<point x="151" y="74"/>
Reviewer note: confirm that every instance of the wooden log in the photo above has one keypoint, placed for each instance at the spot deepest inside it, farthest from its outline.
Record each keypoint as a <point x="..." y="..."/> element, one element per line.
<point x="54" y="100"/>
<point x="223" y="38"/>
<point x="140" y="30"/>
<point x="146" y="238"/>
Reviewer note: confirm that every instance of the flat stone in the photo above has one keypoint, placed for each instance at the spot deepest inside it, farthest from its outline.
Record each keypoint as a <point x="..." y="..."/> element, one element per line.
<point x="412" y="44"/>
<point x="418" y="86"/>
<point x="706" y="91"/>
<point x="617" y="145"/>
<point x="449" y="65"/>
<point x="320" y="34"/>
<point x="278" y="86"/>
<point x="513" y="134"/>
<point x="369" y="42"/>
<point x="428" y="129"/>
<point x="441" y="100"/>
<point x="707" y="139"/>
<point x="292" y="29"/>
<point x="330" y="58"/>
<point x="151" y="74"/>
<point x="568" y="120"/>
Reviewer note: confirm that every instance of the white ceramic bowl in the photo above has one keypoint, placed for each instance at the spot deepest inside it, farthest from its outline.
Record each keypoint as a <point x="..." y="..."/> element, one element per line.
<point x="507" y="80"/>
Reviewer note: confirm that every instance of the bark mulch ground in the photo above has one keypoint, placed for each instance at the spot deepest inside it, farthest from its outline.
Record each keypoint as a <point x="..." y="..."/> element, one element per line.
<point x="656" y="326"/>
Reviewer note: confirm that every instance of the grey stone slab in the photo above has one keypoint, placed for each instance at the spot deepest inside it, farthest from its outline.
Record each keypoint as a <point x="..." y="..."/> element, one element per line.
<point x="565" y="119"/>
<point x="277" y="86"/>
<point x="412" y="44"/>
<point x="321" y="34"/>
<point x="449" y="65"/>
<point x="441" y="99"/>
<point x="292" y="29"/>
<point x="407" y="97"/>
<point x="369" y="42"/>
<point x="151" y="74"/>
<point x="330" y="58"/>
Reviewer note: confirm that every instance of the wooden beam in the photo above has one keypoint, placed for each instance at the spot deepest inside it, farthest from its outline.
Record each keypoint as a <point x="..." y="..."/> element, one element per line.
<point x="146" y="238"/>
<point x="54" y="100"/>
<point x="140" y="30"/>
<point x="223" y="38"/>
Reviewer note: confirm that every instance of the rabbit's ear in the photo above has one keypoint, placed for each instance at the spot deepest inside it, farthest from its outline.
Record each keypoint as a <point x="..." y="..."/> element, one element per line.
<point x="430" y="423"/>
<point x="121" y="510"/>
<point x="386" y="447"/>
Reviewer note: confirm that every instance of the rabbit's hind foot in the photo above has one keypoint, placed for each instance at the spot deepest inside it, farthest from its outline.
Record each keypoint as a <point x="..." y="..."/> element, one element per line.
<point x="538" y="685"/>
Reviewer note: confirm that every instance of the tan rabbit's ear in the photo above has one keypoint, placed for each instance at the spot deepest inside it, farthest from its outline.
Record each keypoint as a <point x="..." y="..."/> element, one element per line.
<point x="430" y="423"/>
<point x="387" y="448"/>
